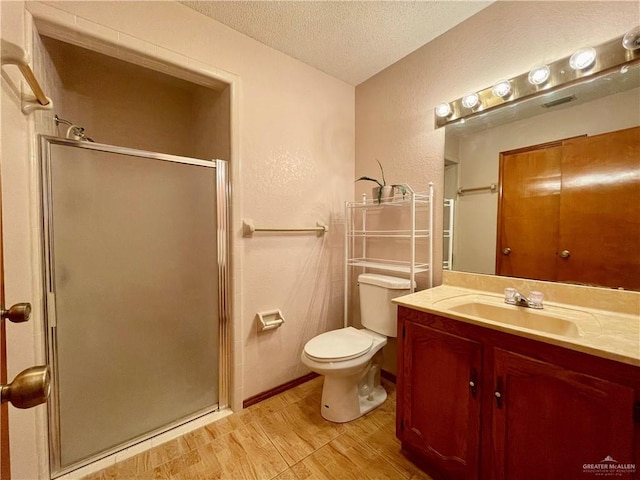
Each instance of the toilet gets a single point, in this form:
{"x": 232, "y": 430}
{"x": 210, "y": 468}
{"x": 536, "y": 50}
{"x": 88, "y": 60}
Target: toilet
{"x": 350, "y": 358}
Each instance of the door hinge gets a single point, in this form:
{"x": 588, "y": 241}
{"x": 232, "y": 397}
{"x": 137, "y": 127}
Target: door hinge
{"x": 404, "y": 332}
{"x": 402, "y": 424}
{"x": 636, "y": 412}
{"x": 51, "y": 309}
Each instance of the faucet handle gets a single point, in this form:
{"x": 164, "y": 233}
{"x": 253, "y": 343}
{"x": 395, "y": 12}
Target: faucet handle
{"x": 535, "y": 298}
{"x": 510, "y": 295}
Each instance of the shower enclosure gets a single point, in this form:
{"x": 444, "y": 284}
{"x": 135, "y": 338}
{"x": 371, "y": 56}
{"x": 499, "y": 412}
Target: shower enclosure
{"x": 136, "y": 263}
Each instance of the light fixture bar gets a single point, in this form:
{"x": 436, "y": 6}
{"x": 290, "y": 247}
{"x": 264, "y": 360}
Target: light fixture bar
{"x": 609, "y": 56}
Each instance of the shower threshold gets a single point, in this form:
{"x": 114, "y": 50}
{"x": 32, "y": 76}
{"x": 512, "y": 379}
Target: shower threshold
{"x": 142, "y": 444}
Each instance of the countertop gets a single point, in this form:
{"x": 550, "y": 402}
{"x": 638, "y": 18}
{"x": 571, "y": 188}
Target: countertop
{"x": 607, "y": 334}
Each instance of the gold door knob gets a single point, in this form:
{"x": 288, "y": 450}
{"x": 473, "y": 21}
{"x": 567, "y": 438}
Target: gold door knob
{"x": 565, "y": 254}
{"x": 506, "y": 251}
{"x": 18, "y": 313}
{"x": 31, "y": 387}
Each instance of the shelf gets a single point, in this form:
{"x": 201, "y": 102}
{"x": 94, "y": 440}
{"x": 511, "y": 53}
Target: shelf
{"x": 372, "y": 231}
{"x": 389, "y": 266}
{"x": 387, "y": 234}
{"x": 421, "y": 200}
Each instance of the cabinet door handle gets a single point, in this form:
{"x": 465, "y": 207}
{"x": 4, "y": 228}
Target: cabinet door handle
{"x": 498, "y": 393}
{"x": 565, "y": 254}
{"x": 498, "y": 398}
{"x": 473, "y": 382}
{"x": 506, "y": 251}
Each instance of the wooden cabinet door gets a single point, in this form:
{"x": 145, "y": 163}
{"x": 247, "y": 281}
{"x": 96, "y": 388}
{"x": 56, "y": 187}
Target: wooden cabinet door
{"x": 600, "y": 210}
{"x": 439, "y": 412}
{"x": 530, "y": 183}
{"x": 553, "y": 422}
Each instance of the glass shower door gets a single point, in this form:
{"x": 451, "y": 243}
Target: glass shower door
{"x": 132, "y": 280}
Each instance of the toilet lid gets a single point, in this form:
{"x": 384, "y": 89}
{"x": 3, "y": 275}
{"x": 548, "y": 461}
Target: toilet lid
{"x": 342, "y": 344}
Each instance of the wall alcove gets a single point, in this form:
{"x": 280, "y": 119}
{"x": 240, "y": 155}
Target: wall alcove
{"x": 125, "y": 104}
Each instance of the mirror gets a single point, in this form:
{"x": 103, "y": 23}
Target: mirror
{"x": 473, "y": 149}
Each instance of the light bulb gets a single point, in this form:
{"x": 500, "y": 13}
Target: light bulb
{"x": 538, "y": 75}
{"x": 582, "y": 58}
{"x": 502, "y": 89}
{"x": 631, "y": 40}
{"x": 443, "y": 110}
{"x": 470, "y": 100}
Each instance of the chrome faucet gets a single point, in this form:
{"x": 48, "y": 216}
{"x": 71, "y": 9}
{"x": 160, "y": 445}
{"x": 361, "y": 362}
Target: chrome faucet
{"x": 514, "y": 297}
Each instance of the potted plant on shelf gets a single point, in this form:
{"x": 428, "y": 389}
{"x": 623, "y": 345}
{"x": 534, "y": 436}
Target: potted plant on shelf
{"x": 383, "y": 192}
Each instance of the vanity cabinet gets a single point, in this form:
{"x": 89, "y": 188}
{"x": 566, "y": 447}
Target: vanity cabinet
{"x": 442, "y": 400}
{"x": 549, "y": 421}
{"x": 479, "y": 403}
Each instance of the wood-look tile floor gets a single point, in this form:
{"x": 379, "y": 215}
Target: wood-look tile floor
{"x": 281, "y": 438}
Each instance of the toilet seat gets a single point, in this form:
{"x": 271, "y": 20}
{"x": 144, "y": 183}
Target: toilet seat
{"x": 338, "y": 345}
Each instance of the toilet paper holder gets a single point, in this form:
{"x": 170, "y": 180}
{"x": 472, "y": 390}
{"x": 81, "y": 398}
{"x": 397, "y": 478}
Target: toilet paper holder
{"x": 269, "y": 320}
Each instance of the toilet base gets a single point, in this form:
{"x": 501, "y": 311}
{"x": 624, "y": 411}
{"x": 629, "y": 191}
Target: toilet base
{"x": 342, "y": 403}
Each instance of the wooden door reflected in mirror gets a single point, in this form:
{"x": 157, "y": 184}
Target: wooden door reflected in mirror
{"x": 570, "y": 211}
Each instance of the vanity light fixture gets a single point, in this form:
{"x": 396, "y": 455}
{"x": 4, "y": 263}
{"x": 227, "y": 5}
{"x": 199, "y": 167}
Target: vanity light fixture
{"x": 631, "y": 40}
{"x": 582, "y": 58}
{"x": 538, "y": 75}
{"x": 470, "y": 100}
{"x": 502, "y": 89}
{"x": 443, "y": 110}
{"x": 544, "y": 79}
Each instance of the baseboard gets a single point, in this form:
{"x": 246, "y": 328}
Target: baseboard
{"x": 388, "y": 376}
{"x": 294, "y": 383}
{"x": 279, "y": 389}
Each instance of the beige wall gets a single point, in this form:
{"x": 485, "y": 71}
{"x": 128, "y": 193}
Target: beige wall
{"x": 292, "y": 165}
{"x": 394, "y": 109}
{"x": 476, "y": 215}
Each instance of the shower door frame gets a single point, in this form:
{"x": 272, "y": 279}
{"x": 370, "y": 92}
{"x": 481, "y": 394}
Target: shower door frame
{"x": 223, "y": 195}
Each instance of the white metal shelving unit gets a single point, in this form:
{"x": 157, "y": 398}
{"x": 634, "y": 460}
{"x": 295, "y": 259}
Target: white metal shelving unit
{"x": 414, "y": 227}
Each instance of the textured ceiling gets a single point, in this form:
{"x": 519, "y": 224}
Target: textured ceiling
{"x": 350, "y": 40}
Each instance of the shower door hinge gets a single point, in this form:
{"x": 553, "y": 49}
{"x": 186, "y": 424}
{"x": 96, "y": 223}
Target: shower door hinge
{"x": 51, "y": 309}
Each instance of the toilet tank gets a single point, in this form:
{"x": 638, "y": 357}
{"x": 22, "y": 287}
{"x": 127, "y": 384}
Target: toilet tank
{"x": 377, "y": 313}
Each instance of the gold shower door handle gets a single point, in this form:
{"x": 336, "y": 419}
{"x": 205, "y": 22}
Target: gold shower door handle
{"x": 31, "y": 387}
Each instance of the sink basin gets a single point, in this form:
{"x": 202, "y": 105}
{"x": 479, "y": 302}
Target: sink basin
{"x": 519, "y": 317}
{"x": 555, "y": 320}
